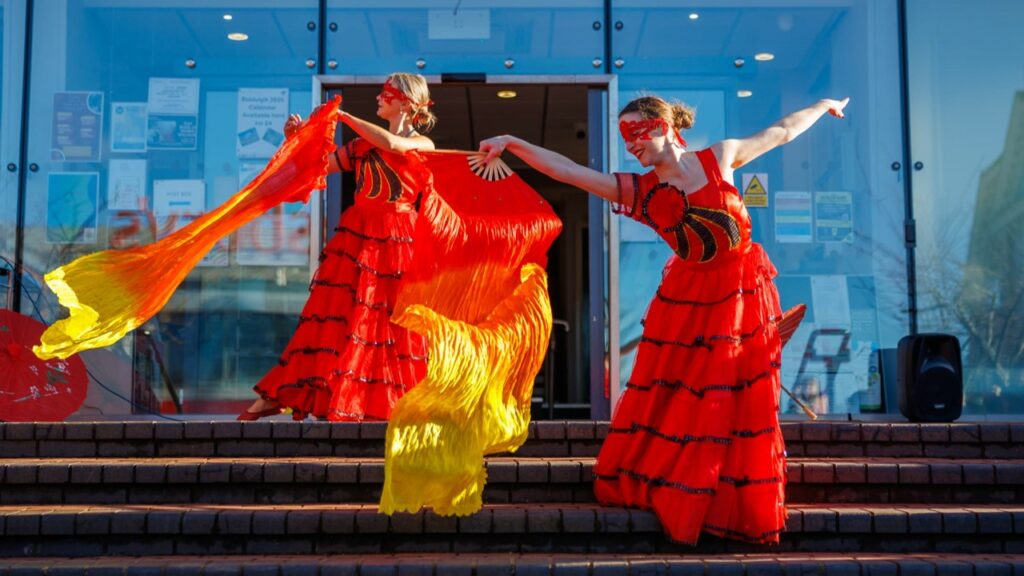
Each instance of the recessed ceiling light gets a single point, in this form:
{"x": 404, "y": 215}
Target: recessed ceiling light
{"x": 764, "y": 56}
{"x": 507, "y": 94}
{"x": 228, "y": 17}
{"x": 694, "y": 15}
{"x": 238, "y": 36}
{"x": 744, "y": 93}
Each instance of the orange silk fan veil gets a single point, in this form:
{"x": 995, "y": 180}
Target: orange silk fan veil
{"x": 478, "y": 292}
{"x": 110, "y": 293}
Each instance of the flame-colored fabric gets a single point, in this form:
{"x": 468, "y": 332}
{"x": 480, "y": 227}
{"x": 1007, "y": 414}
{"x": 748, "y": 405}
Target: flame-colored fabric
{"x": 475, "y": 400}
{"x": 112, "y": 292}
{"x": 478, "y": 292}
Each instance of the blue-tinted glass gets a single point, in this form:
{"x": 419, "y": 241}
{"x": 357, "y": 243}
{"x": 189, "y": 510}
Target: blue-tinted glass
{"x": 831, "y": 217}
{"x": 141, "y": 117}
{"x": 12, "y": 38}
{"x": 562, "y": 37}
{"x": 966, "y": 101}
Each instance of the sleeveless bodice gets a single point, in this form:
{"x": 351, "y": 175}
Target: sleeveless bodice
{"x": 703, "y": 227}
{"x": 385, "y": 179}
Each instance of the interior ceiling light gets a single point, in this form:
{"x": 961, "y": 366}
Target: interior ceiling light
{"x": 238, "y": 36}
{"x": 228, "y": 17}
{"x": 694, "y": 15}
{"x": 507, "y": 94}
{"x": 744, "y": 93}
{"x": 764, "y": 57}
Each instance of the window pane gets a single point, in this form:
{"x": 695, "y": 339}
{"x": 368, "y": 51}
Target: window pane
{"x": 449, "y": 37}
{"x": 143, "y": 116}
{"x": 12, "y": 38}
{"x": 967, "y": 131}
{"x": 827, "y": 207}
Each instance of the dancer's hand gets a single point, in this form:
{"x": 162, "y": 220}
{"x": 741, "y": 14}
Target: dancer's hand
{"x": 835, "y": 107}
{"x": 291, "y": 125}
{"x": 493, "y": 147}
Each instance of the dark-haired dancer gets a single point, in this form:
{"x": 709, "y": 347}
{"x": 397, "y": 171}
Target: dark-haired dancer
{"x": 696, "y": 435}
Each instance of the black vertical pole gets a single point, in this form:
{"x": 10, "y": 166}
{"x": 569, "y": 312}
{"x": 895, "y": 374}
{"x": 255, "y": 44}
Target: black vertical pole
{"x": 909, "y": 225}
{"x": 19, "y": 225}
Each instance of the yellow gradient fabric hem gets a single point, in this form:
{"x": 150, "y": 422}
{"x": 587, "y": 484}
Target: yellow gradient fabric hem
{"x": 474, "y": 401}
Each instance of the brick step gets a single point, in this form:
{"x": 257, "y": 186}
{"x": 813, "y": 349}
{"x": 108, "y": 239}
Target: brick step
{"x": 137, "y": 530}
{"x": 510, "y": 480}
{"x": 808, "y": 564}
{"x": 546, "y": 438}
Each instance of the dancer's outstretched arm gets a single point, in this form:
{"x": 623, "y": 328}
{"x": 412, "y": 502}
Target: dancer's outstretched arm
{"x": 378, "y": 136}
{"x": 736, "y": 152}
{"x": 554, "y": 165}
{"x": 384, "y": 139}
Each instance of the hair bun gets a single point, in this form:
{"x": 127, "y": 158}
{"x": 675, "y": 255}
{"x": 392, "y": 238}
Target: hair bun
{"x": 682, "y": 116}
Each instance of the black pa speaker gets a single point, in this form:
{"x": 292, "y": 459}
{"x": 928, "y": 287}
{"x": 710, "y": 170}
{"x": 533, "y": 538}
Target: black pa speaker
{"x": 929, "y": 377}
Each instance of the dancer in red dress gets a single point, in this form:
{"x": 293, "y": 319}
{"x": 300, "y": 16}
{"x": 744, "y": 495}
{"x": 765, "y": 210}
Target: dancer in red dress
{"x": 347, "y": 361}
{"x": 695, "y": 437}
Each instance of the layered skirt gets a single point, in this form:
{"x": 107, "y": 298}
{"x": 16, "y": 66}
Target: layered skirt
{"x": 346, "y": 360}
{"x": 695, "y": 436}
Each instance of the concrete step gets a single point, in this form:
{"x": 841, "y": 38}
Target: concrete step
{"x": 137, "y": 530}
{"x": 510, "y": 480}
{"x": 546, "y": 438}
{"x": 503, "y": 564}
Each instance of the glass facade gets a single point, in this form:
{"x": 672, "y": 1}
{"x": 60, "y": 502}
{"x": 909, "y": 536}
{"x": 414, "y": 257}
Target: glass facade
{"x": 494, "y": 37}
{"x": 966, "y": 106}
{"x": 827, "y": 207}
{"x": 142, "y": 115}
{"x": 12, "y": 38}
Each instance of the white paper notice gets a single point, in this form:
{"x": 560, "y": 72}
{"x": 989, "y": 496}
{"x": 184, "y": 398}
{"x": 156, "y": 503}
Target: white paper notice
{"x": 179, "y": 197}
{"x": 174, "y": 96}
{"x": 261, "y": 116}
{"x": 126, "y": 185}
{"x": 831, "y": 301}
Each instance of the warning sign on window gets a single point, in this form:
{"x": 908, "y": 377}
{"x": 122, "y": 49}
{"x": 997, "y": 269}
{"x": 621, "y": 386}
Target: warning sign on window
{"x": 755, "y": 190}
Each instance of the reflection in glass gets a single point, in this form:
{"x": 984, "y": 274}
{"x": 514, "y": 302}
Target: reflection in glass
{"x": 144, "y": 116}
{"x": 967, "y": 131}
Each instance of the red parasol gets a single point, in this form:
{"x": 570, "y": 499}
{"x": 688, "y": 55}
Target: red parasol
{"x": 33, "y": 390}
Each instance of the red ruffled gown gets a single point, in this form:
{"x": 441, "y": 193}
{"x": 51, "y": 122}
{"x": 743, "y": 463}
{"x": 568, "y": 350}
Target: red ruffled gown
{"x": 347, "y": 361}
{"x": 696, "y": 437}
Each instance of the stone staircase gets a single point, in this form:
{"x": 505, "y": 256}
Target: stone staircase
{"x": 281, "y": 497}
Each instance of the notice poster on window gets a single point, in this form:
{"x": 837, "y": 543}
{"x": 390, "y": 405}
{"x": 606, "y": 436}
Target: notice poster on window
{"x": 179, "y": 197}
{"x": 172, "y": 118}
{"x": 174, "y": 96}
{"x": 831, "y": 300}
{"x": 755, "y": 189}
{"x": 165, "y": 132}
{"x": 77, "y": 126}
{"x": 261, "y": 116}
{"x": 177, "y": 203}
{"x": 72, "y": 204}
{"x": 793, "y": 217}
{"x": 128, "y": 127}
{"x": 833, "y": 216}
{"x": 126, "y": 185}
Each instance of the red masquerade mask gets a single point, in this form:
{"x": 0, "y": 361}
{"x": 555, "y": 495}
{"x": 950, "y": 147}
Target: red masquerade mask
{"x": 639, "y": 130}
{"x": 389, "y": 94}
